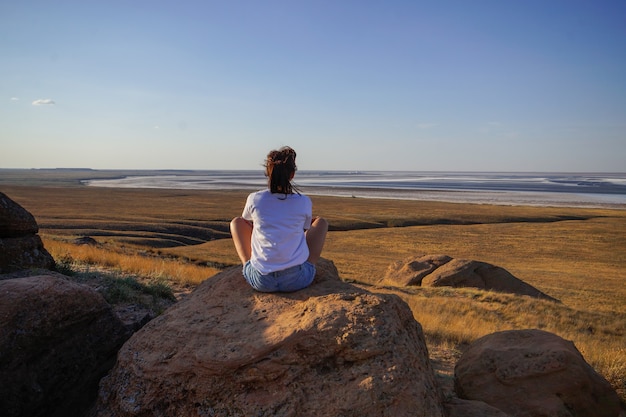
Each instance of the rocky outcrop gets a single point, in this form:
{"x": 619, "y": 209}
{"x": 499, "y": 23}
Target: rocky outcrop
{"x": 444, "y": 271}
{"x": 225, "y": 350}
{"x": 57, "y": 339}
{"x": 85, "y": 240}
{"x": 466, "y": 408}
{"x": 533, "y": 373}
{"x": 412, "y": 271}
{"x": 20, "y": 245}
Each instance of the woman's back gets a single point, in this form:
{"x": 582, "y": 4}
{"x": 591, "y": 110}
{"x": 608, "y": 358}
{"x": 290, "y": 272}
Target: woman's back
{"x": 279, "y": 222}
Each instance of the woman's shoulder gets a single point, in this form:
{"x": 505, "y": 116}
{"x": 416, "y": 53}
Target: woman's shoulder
{"x": 302, "y": 198}
{"x": 267, "y": 194}
{"x": 255, "y": 196}
{"x": 262, "y": 191}
{"x": 259, "y": 193}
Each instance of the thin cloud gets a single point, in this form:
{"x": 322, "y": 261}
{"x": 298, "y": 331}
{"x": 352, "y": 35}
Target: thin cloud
{"x": 15, "y": 99}
{"x": 43, "y": 102}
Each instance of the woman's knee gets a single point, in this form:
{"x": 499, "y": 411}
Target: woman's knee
{"x": 320, "y": 223}
{"x": 237, "y": 223}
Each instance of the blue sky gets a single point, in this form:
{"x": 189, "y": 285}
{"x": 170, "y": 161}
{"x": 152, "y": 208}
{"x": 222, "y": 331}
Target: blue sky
{"x": 356, "y": 85}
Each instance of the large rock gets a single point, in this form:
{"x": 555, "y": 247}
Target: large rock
{"x": 57, "y": 340}
{"x": 412, "y": 271}
{"x": 20, "y": 245}
{"x": 457, "y": 407}
{"x": 444, "y": 271}
{"x": 329, "y": 350}
{"x": 15, "y": 220}
{"x": 533, "y": 373}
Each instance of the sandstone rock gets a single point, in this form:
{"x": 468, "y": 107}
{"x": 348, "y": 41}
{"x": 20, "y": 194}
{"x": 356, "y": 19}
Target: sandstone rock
{"x": 20, "y": 246}
{"x": 444, "y": 271}
{"x": 86, "y": 240}
{"x": 15, "y": 221}
{"x": 57, "y": 339}
{"x": 225, "y": 350}
{"x": 413, "y": 270}
{"x": 466, "y": 408}
{"x": 24, "y": 252}
{"x": 533, "y": 373}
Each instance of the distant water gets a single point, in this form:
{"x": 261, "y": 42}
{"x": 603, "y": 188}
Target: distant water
{"x": 535, "y": 189}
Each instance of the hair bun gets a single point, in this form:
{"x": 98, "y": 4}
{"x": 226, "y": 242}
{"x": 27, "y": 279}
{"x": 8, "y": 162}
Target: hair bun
{"x": 280, "y": 166}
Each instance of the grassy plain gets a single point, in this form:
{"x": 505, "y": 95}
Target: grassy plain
{"x": 575, "y": 255}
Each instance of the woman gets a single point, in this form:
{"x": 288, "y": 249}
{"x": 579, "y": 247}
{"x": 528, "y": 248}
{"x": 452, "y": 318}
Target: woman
{"x": 276, "y": 237}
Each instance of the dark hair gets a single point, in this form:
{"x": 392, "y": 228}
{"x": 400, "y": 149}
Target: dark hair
{"x": 280, "y": 167}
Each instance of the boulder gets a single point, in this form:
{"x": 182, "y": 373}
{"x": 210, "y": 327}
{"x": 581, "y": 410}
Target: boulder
{"x": 86, "y": 240}
{"x": 20, "y": 245}
{"x": 26, "y": 252}
{"x": 57, "y": 340}
{"x": 533, "y": 373}
{"x": 331, "y": 349}
{"x": 444, "y": 271}
{"x": 15, "y": 220}
{"x": 412, "y": 271}
{"x": 457, "y": 407}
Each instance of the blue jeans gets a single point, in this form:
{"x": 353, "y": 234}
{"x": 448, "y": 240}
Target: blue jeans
{"x": 287, "y": 280}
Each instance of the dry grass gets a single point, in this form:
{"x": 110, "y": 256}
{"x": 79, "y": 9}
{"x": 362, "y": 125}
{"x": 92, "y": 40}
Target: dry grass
{"x": 171, "y": 271}
{"x": 456, "y": 317}
{"x": 579, "y": 262}
{"x": 575, "y": 255}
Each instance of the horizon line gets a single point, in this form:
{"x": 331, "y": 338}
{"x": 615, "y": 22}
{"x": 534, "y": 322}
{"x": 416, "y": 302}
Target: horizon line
{"x": 354, "y": 171}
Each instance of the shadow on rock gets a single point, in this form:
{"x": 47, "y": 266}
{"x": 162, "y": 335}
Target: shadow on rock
{"x": 227, "y": 350}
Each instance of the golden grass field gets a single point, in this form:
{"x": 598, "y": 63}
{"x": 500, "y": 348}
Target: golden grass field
{"x": 575, "y": 255}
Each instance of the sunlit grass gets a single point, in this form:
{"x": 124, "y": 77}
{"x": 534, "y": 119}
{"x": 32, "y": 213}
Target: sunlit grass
{"x": 151, "y": 267}
{"x": 575, "y": 255}
{"x": 457, "y": 317}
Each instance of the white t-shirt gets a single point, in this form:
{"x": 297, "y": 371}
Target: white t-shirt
{"x": 279, "y": 222}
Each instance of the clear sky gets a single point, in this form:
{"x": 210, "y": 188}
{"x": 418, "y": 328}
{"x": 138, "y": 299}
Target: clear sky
{"x": 519, "y": 85}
